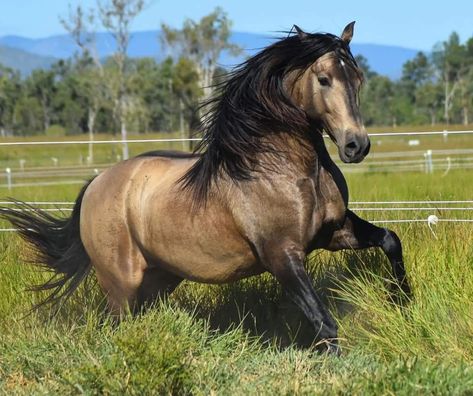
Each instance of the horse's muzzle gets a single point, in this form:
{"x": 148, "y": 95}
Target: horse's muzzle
{"x": 356, "y": 148}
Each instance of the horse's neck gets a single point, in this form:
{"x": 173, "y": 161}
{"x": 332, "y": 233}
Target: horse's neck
{"x": 290, "y": 154}
{"x": 323, "y": 157}
{"x": 304, "y": 156}
{"x": 328, "y": 166}
{"x": 310, "y": 158}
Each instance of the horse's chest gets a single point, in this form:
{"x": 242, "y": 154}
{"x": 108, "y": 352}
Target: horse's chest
{"x": 332, "y": 198}
{"x": 334, "y": 213}
{"x": 319, "y": 205}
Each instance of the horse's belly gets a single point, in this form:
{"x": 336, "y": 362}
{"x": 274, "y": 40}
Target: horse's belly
{"x": 204, "y": 246}
{"x": 195, "y": 262}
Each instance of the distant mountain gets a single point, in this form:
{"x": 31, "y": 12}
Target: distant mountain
{"x": 24, "y": 61}
{"x": 387, "y": 60}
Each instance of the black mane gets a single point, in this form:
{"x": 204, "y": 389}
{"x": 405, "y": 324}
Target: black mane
{"x": 173, "y": 154}
{"x": 252, "y": 104}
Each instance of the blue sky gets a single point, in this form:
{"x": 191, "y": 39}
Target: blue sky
{"x": 408, "y": 23}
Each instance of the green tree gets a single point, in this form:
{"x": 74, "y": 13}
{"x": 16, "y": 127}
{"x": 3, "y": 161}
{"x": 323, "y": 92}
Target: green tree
{"x": 91, "y": 77}
{"x": 41, "y": 85}
{"x": 189, "y": 91}
{"x": 416, "y": 73}
{"x": 450, "y": 60}
{"x": 10, "y": 91}
{"x": 362, "y": 62}
{"x": 376, "y": 101}
{"x": 202, "y": 42}
{"x": 117, "y": 16}
{"x": 69, "y": 102}
{"x": 428, "y": 98}
{"x": 28, "y": 115}
{"x": 152, "y": 84}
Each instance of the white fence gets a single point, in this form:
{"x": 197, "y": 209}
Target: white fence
{"x": 426, "y": 212}
{"x": 177, "y": 140}
{"x": 388, "y": 161}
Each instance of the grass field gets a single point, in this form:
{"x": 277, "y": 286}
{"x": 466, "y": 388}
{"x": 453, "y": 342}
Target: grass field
{"x": 247, "y": 338}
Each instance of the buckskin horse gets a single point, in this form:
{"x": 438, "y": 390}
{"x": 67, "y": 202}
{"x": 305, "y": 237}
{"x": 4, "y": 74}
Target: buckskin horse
{"x": 261, "y": 193}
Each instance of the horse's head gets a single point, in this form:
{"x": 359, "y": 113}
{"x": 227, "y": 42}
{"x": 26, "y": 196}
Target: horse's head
{"x": 328, "y": 92}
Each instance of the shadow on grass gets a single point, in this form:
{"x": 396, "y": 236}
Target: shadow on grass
{"x": 260, "y": 307}
{"x": 256, "y": 304}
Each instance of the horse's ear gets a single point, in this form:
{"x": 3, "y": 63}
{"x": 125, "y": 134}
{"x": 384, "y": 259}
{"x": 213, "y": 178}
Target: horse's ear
{"x": 300, "y": 32}
{"x": 347, "y": 34}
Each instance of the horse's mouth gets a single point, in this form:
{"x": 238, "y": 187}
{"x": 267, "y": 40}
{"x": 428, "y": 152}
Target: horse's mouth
{"x": 351, "y": 156}
{"x": 354, "y": 160}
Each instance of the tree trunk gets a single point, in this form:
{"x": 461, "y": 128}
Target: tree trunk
{"x": 185, "y": 146}
{"x": 46, "y": 121}
{"x": 124, "y": 134}
{"x": 464, "y": 97}
{"x": 91, "y": 127}
{"x": 433, "y": 119}
{"x": 446, "y": 103}
{"x": 194, "y": 125}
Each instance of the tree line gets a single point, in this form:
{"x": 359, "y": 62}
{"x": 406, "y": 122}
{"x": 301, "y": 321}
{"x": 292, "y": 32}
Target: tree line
{"x": 87, "y": 94}
{"x": 434, "y": 88}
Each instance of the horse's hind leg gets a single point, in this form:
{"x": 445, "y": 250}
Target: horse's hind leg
{"x": 120, "y": 291}
{"x": 135, "y": 292}
{"x": 127, "y": 279}
{"x": 120, "y": 273}
{"x": 361, "y": 234}
{"x": 157, "y": 284}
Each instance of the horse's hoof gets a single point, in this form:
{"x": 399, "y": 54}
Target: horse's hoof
{"x": 334, "y": 349}
{"x": 329, "y": 347}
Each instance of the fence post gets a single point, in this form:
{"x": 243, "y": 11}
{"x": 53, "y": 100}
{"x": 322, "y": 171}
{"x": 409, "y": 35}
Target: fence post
{"x": 429, "y": 165}
{"x": 8, "y": 174}
{"x": 445, "y": 135}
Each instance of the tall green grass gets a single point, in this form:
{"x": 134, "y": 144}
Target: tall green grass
{"x": 247, "y": 338}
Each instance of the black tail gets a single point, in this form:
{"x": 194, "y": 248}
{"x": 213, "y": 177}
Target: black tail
{"x": 57, "y": 245}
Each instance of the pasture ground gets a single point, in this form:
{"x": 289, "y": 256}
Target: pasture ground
{"x": 246, "y": 338}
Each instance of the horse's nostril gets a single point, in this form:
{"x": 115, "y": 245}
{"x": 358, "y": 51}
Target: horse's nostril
{"x": 352, "y": 145}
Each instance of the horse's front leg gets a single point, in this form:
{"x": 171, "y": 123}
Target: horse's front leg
{"x": 361, "y": 234}
{"x": 285, "y": 260}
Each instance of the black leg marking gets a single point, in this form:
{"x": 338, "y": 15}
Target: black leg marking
{"x": 360, "y": 234}
{"x": 286, "y": 262}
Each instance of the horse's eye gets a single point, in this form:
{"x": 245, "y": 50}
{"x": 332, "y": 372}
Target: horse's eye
{"x": 324, "y": 81}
